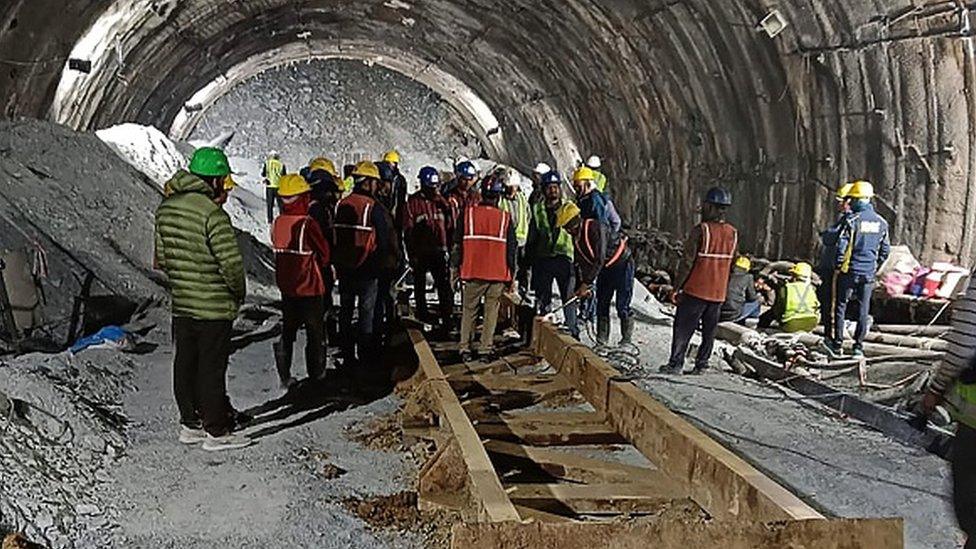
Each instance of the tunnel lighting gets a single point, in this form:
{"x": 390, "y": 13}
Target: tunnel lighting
{"x": 193, "y": 107}
{"x": 773, "y": 24}
{"x": 80, "y": 65}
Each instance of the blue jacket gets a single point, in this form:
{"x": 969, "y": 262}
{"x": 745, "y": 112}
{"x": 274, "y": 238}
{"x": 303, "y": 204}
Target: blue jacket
{"x": 863, "y": 245}
{"x": 828, "y": 246}
{"x": 594, "y": 206}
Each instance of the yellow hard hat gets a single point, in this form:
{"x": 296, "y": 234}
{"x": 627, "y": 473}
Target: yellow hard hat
{"x": 229, "y": 183}
{"x": 292, "y": 185}
{"x": 392, "y": 156}
{"x": 566, "y": 213}
{"x": 861, "y": 189}
{"x": 844, "y": 191}
{"x": 322, "y": 163}
{"x": 584, "y": 174}
{"x": 802, "y": 270}
{"x": 366, "y": 169}
{"x": 743, "y": 263}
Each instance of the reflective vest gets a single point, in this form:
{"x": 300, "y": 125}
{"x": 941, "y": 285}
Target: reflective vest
{"x": 484, "y": 255}
{"x": 802, "y": 312}
{"x": 273, "y": 170}
{"x": 552, "y": 242}
{"x": 518, "y": 208}
{"x": 616, "y": 250}
{"x": 962, "y": 403}
{"x": 601, "y": 181}
{"x": 354, "y": 233}
{"x": 296, "y": 269}
{"x": 709, "y": 278}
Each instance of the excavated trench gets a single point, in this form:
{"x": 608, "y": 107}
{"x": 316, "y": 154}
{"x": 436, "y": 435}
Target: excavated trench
{"x": 674, "y": 94}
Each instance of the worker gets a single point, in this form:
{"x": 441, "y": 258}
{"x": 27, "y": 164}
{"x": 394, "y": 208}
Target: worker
{"x": 485, "y": 248}
{"x": 549, "y": 250}
{"x": 361, "y": 237}
{"x": 516, "y": 204}
{"x": 828, "y": 254}
{"x": 388, "y": 260}
{"x": 862, "y": 246}
{"x": 796, "y": 308}
{"x": 704, "y": 277}
{"x": 392, "y": 158}
{"x": 273, "y": 169}
{"x": 742, "y": 299}
{"x": 463, "y": 192}
{"x": 538, "y": 193}
{"x": 323, "y": 178}
{"x": 301, "y": 256}
{"x": 197, "y": 249}
{"x": 954, "y": 384}
{"x": 594, "y": 163}
{"x": 346, "y": 183}
{"x": 426, "y": 226}
{"x": 592, "y": 203}
{"x": 614, "y": 284}
{"x": 589, "y": 254}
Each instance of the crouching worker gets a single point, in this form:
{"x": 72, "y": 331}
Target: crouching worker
{"x": 589, "y": 238}
{"x": 301, "y": 256}
{"x": 197, "y": 249}
{"x": 485, "y": 248}
{"x": 796, "y": 308}
{"x": 742, "y": 301}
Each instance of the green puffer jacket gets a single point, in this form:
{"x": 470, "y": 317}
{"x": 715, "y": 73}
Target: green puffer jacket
{"x": 197, "y": 248}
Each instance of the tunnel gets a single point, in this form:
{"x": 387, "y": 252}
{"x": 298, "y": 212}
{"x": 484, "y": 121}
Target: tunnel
{"x": 782, "y": 102}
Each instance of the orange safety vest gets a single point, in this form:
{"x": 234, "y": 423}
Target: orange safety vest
{"x": 709, "y": 278}
{"x": 618, "y": 253}
{"x": 484, "y": 253}
{"x": 354, "y": 233}
{"x": 296, "y": 270}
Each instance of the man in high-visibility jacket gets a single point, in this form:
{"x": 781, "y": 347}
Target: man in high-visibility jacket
{"x": 862, "y": 246}
{"x": 301, "y": 257}
{"x": 709, "y": 251}
{"x": 796, "y": 308}
{"x": 361, "y": 238}
{"x": 550, "y": 252}
{"x": 954, "y": 384}
{"x": 516, "y": 204}
{"x": 485, "y": 248}
{"x": 273, "y": 169}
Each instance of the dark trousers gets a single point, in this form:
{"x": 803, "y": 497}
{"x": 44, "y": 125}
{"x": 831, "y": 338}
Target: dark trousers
{"x": 558, "y": 269}
{"x": 522, "y": 271}
{"x": 385, "y": 307}
{"x": 825, "y": 296}
{"x": 271, "y": 197}
{"x": 692, "y": 313}
{"x": 356, "y": 295}
{"x": 307, "y": 312}
{"x": 434, "y": 263}
{"x": 615, "y": 281}
{"x": 200, "y": 373}
{"x": 964, "y": 481}
{"x": 846, "y": 288}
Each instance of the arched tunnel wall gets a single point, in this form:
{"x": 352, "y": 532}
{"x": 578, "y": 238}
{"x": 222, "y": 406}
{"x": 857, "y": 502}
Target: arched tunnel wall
{"x": 674, "y": 94}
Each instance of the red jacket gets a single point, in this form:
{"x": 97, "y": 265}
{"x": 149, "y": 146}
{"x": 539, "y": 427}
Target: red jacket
{"x": 709, "y": 277}
{"x": 427, "y": 224}
{"x": 301, "y": 250}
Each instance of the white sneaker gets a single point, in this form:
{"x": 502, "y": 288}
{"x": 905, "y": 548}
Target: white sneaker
{"x": 189, "y": 435}
{"x": 226, "y": 442}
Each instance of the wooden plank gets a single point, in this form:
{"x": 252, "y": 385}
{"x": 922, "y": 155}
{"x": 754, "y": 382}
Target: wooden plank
{"x": 543, "y": 385}
{"x": 541, "y": 434}
{"x": 538, "y": 515}
{"x": 598, "y": 499}
{"x": 675, "y": 534}
{"x": 492, "y": 503}
{"x": 576, "y": 468}
{"x": 718, "y": 480}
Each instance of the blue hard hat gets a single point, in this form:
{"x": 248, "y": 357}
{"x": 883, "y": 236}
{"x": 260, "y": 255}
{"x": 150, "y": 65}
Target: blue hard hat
{"x": 429, "y": 177}
{"x": 718, "y": 196}
{"x": 492, "y": 186}
{"x": 466, "y": 169}
{"x": 552, "y": 178}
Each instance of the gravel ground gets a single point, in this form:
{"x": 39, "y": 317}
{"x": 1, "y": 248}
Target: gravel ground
{"x": 837, "y": 465}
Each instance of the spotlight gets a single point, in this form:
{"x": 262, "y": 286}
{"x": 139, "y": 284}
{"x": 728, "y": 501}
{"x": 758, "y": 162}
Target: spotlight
{"x": 773, "y": 24}
{"x": 80, "y": 65}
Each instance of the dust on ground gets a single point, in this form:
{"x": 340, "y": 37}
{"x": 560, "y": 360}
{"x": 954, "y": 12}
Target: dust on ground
{"x": 400, "y": 511}
{"x": 383, "y": 433}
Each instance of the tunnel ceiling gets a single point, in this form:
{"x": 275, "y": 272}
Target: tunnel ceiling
{"x": 675, "y": 95}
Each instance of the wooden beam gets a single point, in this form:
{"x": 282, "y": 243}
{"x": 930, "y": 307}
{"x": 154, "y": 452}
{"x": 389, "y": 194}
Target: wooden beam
{"x": 671, "y": 534}
{"x": 717, "y": 479}
{"x": 599, "y": 499}
{"x": 491, "y": 502}
{"x": 576, "y": 468}
{"x": 541, "y": 434}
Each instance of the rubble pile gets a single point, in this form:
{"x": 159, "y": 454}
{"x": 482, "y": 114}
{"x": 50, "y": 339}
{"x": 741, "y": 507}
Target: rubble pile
{"x": 654, "y": 250}
{"x": 62, "y": 423}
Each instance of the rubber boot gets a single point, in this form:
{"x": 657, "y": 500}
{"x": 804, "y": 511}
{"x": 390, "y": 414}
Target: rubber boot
{"x": 627, "y": 331}
{"x": 602, "y": 331}
{"x": 282, "y": 356}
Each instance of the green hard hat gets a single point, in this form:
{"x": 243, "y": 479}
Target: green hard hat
{"x": 209, "y": 162}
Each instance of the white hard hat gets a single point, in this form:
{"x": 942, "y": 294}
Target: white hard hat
{"x": 594, "y": 162}
{"x": 512, "y": 178}
{"x": 542, "y": 168}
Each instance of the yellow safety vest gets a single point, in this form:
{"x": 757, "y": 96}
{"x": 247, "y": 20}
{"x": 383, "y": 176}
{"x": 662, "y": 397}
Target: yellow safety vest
{"x": 802, "y": 308}
{"x": 273, "y": 170}
{"x": 962, "y": 403}
{"x": 601, "y": 181}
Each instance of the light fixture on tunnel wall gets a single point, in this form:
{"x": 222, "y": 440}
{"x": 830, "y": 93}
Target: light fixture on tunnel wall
{"x": 80, "y": 65}
{"x": 773, "y": 24}
{"x": 192, "y": 107}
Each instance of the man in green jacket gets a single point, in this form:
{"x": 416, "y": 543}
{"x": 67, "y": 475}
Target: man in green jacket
{"x": 196, "y": 247}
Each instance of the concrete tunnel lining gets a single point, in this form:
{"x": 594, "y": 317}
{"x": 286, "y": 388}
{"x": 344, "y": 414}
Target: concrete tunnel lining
{"x": 674, "y": 95}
